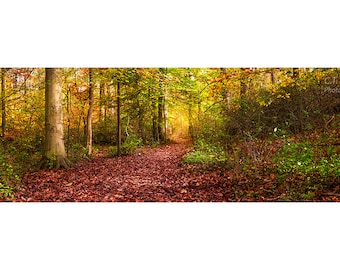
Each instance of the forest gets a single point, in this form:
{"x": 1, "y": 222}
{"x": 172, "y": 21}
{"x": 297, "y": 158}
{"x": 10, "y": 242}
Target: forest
{"x": 170, "y": 134}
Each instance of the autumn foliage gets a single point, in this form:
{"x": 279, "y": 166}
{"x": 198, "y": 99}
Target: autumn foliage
{"x": 256, "y": 134}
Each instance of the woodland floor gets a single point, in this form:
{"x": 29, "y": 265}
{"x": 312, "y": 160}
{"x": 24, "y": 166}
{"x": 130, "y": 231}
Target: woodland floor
{"x": 150, "y": 175}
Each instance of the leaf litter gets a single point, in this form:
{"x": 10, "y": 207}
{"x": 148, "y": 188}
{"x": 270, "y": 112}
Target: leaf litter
{"x": 151, "y": 175}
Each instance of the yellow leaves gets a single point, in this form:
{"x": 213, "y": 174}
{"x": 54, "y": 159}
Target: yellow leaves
{"x": 262, "y": 103}
{"x": 283, "y": 95}
{"x": 278, "y": 92}
{"x": 287, "y": 81}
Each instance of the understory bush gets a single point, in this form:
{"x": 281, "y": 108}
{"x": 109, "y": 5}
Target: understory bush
{"x": 131, "y": 143}
{"x": 17, "y": 156}
{"x": 306, "y": 159}
{"x": 8, "y": 179}
{"x": 129, "y": 146}
{"x": 206, "y": 154}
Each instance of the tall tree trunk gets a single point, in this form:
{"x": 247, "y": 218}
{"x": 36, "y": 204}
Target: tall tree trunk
{"x": 140, "y": 117}
{"x": 68, "y": 110}
{"x": 119, "y": 124}
{"x": 165, "y": 118}
{"x": 154, "y": 117}
{"x": 102, "y": 113}
{"x": 191, "y": 128}
{"x": 160, "y": 118}
{"x": 89, "y": 116}
{"x": 272, "y": 75}
{"x": 161, "y": 107}
{"x": 3, "y": 103}
{"x": 54, "y": 155}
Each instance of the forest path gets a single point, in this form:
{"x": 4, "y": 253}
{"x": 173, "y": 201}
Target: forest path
{"x": 152, "y": 174}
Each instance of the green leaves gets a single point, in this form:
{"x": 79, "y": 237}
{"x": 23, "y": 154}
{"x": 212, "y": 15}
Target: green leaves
{"x": 303, "y": 158}
{"x": 7, "y": 176}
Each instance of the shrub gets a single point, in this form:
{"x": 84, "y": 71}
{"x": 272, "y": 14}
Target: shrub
{"x": 302, "y": 159}
{"x": 205, "y": 153}
{"x": 295, "y": 157}
{"x": 131, "y": 144}
{"x": 198, "y": 156}
{"x": 112, "y": 151}
{"x": 8, "y": 179}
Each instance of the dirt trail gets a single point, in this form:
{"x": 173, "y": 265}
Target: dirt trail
{"x": 152, "y": 174}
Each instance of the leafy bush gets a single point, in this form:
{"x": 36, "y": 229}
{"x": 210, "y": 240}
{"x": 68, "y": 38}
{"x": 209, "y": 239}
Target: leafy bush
{"x": 112, "y": 151}
{"x": 205, "y": 153}
{"x": 302, "y": 158}
{"x": 8, "y": 179}
{"x": 131, "y": 144}
{"x": 198, "y": 156}
{"x": 128, "y": 147}
{"x": 75, "y": 152}
{"x": 295, "y": 157}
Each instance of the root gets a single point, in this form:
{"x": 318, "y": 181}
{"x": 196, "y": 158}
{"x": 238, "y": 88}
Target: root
{"x": 57, "y": 163}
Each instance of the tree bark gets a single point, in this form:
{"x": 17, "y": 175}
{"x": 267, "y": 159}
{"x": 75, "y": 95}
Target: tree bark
{"x": 3, "y": 103}
{"x": 161, "y": 122}
{"x": 165, "y": 118}
{"x": 68, "y": 111}
{"x": 54, "y": 155}
{"x": 154, "y": 117}
{"x": 160, "y": 118}
{"x": 191, "y": 128}
{"x": 272, "y": 75}
{"x": 89, "y": 116}
{"x": 119, "y": 124}
{"x": 101, "y": 103}
{"x": 140, "y": 117}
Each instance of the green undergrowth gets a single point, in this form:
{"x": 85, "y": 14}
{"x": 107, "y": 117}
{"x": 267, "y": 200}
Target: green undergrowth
{"x": 129, "y": 146}
{"x": 206, "y": 154}
{"x": 9, "y": 177}
{"x": 8, "y": 180}
{"x": 311, "y": 166}
{"x": 308, "y": 159}
{"x": 294, "y": 168}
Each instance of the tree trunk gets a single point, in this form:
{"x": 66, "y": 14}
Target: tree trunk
{"x": 160, "y": 118}
{"x": 272, "y": 75}
{"x": 102, "y": 113}
{"x": 54, "y": 155}
{"x": 161, "y": 108}
{"x": 154, "y": 117}
{"x": 119, "y": 124}
{"x": 191, "y": 128}
{"x": 68, "y": 110}
{"x": 140, "y": 117}
{"x": 89, "y": 116}
{"x": 3, "y": 103}
{"x": 165, "y": 118}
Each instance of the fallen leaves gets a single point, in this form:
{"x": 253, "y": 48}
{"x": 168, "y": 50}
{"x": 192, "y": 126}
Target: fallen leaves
{"x": 152, "y": 175}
